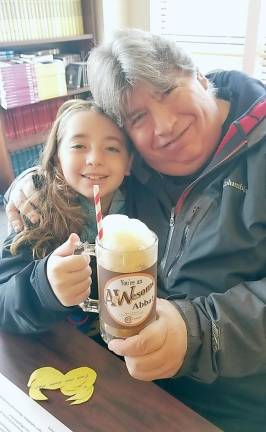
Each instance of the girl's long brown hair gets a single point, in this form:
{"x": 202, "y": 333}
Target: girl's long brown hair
{"x": 60, "y": 212}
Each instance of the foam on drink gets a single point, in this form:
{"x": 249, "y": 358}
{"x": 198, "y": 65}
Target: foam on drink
{"x": 122, "y": 234}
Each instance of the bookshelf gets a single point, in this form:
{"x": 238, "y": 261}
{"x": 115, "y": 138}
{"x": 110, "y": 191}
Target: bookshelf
{"x": 67, "y": 44}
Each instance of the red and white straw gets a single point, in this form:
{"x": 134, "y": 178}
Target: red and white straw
{"x": 98, "y": 211}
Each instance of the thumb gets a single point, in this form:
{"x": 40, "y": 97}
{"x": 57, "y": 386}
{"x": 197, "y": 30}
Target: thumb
{"x": 68, "y": 247}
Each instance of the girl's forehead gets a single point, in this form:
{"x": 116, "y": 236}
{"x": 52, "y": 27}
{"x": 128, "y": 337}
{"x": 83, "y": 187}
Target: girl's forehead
{"x": 91, "y": 123}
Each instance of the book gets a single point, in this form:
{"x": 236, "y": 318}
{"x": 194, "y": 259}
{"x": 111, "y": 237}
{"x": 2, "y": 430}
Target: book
{"x": 37, "y": 58}
{"x": 76, "y": 75}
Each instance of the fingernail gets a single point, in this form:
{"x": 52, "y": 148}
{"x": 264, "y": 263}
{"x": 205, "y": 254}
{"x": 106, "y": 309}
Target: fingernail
{"x": 34, "y": 219}
{"x": 17, "y": 228}
{"x": 110, "y": 346}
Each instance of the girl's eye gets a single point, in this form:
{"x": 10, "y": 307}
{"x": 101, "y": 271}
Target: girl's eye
{"x": 77, "y": 146}
{"x": 113, "y": 149}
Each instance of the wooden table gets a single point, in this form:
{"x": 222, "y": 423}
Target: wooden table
{"x": 119, "y": 403}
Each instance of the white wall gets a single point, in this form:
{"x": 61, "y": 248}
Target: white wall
{"x": 139, "y": 14}
{"x": 116, "y": 14}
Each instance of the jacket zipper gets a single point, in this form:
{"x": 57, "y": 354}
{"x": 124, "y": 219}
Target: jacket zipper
{"x": 195, "y": 211}
{"x": 184, "y": 238}
{"x": 169, "y": 238}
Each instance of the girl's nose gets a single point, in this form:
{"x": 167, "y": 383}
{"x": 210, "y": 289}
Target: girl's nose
{"x": 94, "y": 158}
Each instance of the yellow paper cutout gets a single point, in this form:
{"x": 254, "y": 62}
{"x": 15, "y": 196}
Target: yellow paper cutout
{"x": 81, "y": 397}
{"x": 77, "y": 383}
{"x": 76, "y": 378}
{"x": 36, "y": 394}
{"x": 46, "y": 378}
{"x": 45, "y": 375}
{"x": 85, "y": 387}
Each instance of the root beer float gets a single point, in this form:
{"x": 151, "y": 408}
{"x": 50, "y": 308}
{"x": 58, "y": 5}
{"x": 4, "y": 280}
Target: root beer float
{"x": 127, "y": 276}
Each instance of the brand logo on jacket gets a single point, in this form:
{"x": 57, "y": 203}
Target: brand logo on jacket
{"x": 234, "y": 184}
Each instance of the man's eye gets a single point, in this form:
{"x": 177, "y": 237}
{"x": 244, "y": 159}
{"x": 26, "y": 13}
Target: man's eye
{"x": 137, "y": 118}
{"x": 168, "y": 91}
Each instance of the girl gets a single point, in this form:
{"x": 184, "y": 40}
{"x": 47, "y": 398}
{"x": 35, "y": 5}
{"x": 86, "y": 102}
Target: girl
{"x": 41, "y": 280}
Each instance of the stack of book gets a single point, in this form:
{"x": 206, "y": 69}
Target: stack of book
{"x": 50, "y": 79}
{"x": 17, "y": 84}
{"x": 28, "y": 83}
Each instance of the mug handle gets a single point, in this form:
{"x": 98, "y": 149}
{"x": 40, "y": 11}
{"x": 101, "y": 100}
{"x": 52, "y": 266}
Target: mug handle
{"x": 88, "y": 305}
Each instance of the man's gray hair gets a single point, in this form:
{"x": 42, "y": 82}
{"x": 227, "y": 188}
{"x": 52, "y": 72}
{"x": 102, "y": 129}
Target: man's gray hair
{"x": 133, "y": 56}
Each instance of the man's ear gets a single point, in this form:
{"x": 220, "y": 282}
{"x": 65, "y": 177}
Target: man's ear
{"x": 202, "y": 80}
{"x": 130, "y": 162}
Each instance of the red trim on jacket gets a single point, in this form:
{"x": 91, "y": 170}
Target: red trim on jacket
{"x": 256, "y": 114}
{"x": 248, "y": 122}
{"x": 230, "y": 133}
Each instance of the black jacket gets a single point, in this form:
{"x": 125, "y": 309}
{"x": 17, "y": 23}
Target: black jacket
{"x": 213, "y": 264}
{"x": 27, "y": 302}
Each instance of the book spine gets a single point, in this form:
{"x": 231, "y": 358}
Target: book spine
{"x": 6, "y": 24}
{"x": 14, "y": 31}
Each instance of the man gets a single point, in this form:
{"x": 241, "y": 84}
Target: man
{"x": 199, "y": 183}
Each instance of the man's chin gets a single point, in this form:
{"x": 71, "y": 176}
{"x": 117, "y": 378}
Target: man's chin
{"x": 176, "y": 169}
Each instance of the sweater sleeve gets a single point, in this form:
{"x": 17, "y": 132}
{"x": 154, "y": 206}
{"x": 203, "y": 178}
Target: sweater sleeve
{"x": 27, "y": 302}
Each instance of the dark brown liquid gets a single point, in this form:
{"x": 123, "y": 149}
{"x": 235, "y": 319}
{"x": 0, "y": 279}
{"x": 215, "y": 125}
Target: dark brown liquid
{"x": 127, "y": 301}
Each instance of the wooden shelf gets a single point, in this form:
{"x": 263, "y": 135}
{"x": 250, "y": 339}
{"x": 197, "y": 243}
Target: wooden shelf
{"x": 49, "y": 41}
{"x": 71, "y": 92}
{"x": 78, "y": 91}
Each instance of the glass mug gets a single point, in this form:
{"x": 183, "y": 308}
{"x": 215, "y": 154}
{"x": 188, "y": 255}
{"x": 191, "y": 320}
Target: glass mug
{"x": 127, "y": 288}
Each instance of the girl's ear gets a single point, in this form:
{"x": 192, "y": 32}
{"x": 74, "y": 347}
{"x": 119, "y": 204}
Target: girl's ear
{"x": 129, "y": 165}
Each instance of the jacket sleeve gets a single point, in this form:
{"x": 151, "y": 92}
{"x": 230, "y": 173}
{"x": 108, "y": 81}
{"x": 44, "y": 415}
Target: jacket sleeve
{"x": 226, "y": 333}
{"x": 27, "y": 302}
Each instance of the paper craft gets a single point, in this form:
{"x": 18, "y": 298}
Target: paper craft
{"x": 77, "y": 383}
{"x": 46, "y": 378}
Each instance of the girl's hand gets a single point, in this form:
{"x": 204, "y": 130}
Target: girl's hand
{"x": 69, "y": 275}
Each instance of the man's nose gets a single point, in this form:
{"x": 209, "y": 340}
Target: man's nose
{"x": 163, "y": 119}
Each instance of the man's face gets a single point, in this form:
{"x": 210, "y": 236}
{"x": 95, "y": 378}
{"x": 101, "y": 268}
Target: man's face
{"x": 176, "y": 131}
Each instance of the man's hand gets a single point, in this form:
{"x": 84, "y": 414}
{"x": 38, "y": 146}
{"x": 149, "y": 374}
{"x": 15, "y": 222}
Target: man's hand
{"x": 19, "y": 203}
{"x": 69, "y": 275}
{"x": 158, "y": 351}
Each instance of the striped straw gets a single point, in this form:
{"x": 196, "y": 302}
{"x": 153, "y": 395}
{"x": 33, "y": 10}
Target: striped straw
{"x": 98, "y": 211}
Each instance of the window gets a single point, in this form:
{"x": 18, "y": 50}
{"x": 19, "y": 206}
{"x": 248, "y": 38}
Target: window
{"x": 219, "y": 34}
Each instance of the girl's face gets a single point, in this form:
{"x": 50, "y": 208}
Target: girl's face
{"x": 93, "y": 151}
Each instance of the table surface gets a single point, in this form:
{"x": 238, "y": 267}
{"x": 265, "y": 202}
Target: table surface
{"x": 119, "y": 403}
